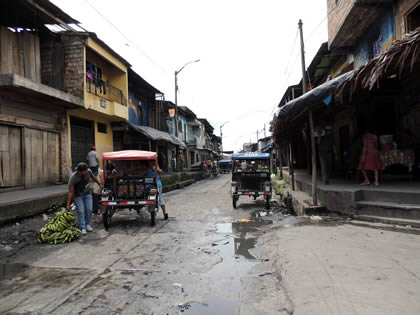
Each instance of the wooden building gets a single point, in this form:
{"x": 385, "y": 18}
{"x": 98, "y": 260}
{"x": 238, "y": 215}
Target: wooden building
{"x": 33, "y": 137}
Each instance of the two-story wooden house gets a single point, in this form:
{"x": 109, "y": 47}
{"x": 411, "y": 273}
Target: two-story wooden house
{"x": 33, "y": 124}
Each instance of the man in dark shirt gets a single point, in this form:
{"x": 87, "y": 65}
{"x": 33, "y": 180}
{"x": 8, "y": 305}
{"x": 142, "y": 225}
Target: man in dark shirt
{"x": 79, "y": 188}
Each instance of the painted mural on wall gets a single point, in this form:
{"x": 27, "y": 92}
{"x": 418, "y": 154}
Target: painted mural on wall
{"x": 137, "y": 111}
{"x": 376, "y": 40}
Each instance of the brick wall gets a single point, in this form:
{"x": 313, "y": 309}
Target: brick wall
{"x": 402, "y": 7}
{"x": 74, "y": 66}
{"x": 337, "y": 10}
{"x": 47, "y": 65}
{"x": 52, "y": 64}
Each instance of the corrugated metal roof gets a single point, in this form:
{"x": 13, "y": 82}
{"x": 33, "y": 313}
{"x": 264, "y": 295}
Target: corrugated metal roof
{"x": 157, "y": 135}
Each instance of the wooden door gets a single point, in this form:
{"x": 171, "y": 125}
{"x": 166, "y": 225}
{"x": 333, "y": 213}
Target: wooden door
{"x": 40, "y": 158}
{"x": 11, "y": 171}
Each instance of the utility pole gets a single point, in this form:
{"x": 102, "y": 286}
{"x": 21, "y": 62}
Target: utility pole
{"x": 257, "y": 136}
{"x": 176, "y": 104}
{"x": 311, "y": 122}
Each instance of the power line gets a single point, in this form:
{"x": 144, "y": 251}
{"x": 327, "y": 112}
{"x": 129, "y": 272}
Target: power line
{"x": 291, "y": 52}
{"x": 126, "y": 37}
{"x": 316, "y": 28}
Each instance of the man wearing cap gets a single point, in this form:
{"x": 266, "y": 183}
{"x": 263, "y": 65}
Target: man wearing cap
{"x": 80, "y": 189}
{"x": 93, "y": 160}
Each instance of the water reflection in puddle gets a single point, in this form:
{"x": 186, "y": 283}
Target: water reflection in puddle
{"x": 237, "y": 260}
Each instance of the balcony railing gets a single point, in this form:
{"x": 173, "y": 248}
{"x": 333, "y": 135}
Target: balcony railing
{"x": 106, "y": 90}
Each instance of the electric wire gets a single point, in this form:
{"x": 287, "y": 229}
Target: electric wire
{"x": 126, "y": 37}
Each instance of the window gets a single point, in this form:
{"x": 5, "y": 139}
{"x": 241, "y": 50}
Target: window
{"x": 101, "y": 128}
{"x": 413, "y": 19}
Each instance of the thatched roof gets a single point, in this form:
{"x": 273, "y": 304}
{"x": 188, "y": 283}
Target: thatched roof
{"x": 401, "y": 56}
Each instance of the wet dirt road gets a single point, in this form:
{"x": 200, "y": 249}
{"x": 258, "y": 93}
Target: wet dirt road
{"x": 192, "y": 263}
{"x": 207, "y": 260}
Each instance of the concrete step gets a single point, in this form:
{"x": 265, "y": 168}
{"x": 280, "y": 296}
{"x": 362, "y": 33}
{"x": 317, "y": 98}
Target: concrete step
{"x": 388, "y": 220}
{"x": 388, "y": 209}
{"x": 393, "y": 196}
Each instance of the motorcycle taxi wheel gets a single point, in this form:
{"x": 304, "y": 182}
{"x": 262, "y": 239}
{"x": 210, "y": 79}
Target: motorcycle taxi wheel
{"x": 152, "y": 211}
{"x": 235, "y": 201}
{"x": 107, "y": 219}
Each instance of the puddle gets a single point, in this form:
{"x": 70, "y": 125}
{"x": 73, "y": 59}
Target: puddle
{"x": 226, "y": 276}
{"x": 10, "y": 271}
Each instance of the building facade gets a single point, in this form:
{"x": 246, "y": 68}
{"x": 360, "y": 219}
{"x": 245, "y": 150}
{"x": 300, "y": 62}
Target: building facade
{"x": 34, "y": 143}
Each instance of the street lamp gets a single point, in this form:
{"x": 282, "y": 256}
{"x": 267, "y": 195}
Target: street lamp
{"x": 176, "y": 94}
{"x": 221, "y": 136}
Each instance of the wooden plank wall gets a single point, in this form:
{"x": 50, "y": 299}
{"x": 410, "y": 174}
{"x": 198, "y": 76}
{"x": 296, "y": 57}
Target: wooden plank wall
{"x": 20, "y": 54}
{"x": 40, "y": 157}
{"x": 11, "y": 168}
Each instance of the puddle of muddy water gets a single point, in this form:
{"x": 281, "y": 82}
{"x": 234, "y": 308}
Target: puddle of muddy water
{"x": 237, "y": 260}
{"x": 10, "y": 271}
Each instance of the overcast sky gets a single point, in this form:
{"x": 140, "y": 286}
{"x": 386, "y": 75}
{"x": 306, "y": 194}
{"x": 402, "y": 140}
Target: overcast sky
{"x": 249, "y": 52}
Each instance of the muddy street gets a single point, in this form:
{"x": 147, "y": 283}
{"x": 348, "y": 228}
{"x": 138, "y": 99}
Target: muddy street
{"x": 209, "y": 258}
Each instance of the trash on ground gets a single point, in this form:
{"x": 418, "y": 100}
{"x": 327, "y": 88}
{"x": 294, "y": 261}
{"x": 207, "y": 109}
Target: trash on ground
{"x": 179, "y": 285}
{"x": 315, "y": 217}
{"x": 246, "y": 220}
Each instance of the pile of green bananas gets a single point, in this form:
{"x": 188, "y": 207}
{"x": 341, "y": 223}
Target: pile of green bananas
{"x": 59, "y": 230}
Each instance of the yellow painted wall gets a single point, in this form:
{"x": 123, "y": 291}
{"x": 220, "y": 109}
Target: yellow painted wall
{"x": 114, "y": 75}
{"x": 115, "y": 110}
{"x": 102, "y": 51}
{"x": 103, "y": 142}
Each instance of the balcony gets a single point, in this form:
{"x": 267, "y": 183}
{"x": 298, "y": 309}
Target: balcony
{"x": 192, "y": 142}
{"x": 106, "y": 99}
{"x": 106, "y": 91}
{"x": 348, "y": 20}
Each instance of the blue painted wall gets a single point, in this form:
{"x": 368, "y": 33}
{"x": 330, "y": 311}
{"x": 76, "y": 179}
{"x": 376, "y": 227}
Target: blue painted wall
{"x": 376, "y": 40}
{"x": 138, "y": 111}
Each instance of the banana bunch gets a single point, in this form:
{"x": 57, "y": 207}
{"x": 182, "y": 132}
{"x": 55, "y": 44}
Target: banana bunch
{"x": 59, "y": 230}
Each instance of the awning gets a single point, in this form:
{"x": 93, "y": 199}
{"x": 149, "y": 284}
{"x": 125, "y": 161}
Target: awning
{"x": 399, "y": 59}
{"x": 157, "y": 135}
{"x": 129, "y": 155}
{"x": 268, "y": 147}
{"x": 251, "y": 156}
{"x": 311, "y": 99}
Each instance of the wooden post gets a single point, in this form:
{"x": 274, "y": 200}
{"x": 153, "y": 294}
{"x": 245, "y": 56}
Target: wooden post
{"x": 280, "y": 161}
{"x": 177, "y": 158}
{"x": 311, "y": 123}
{"x": 314, "y": 178}
{"x": 291, "y": 167}
{"x": 150, "y": 145}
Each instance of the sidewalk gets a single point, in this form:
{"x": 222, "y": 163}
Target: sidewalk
{"x": 24, "y": 203}
{"x": 396, "y": 200}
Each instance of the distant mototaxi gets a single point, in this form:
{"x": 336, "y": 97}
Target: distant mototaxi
{"x": 126, "y": 185}
{"x": 225, "y": 166}
{"x": 251, "y": 176}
